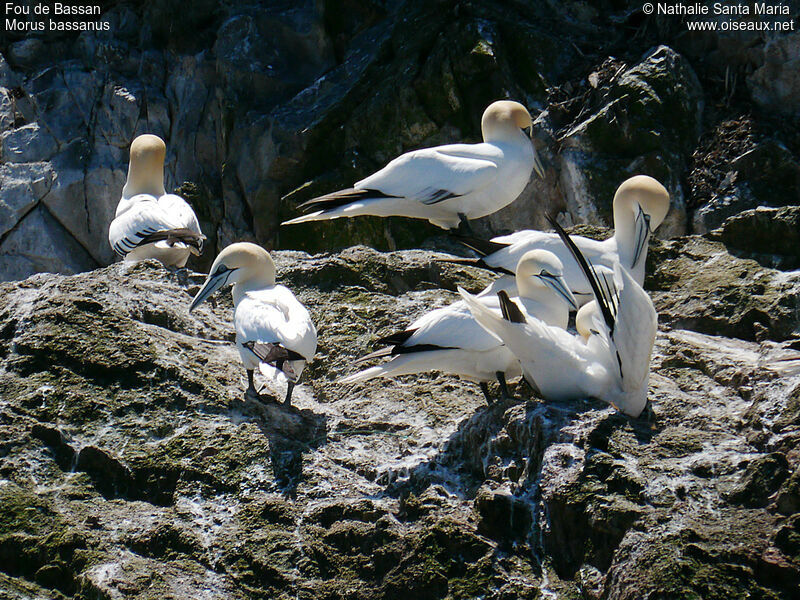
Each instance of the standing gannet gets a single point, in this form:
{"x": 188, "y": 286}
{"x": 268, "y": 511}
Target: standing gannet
{"x": 640, "y": 205}
{"x": 150, "y": 223}
{"x": 274, "y": 331}
{"x": 451, "y": 341}
{"x": 447, "y": 185}
{"x": 611, "y": 364}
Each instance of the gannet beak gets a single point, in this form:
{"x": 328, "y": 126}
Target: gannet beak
{"x": 558, "y": 285}
{"x": 537, "y": 165}
{"x": 642, "y": 234}
{"x": 212, "y": 284}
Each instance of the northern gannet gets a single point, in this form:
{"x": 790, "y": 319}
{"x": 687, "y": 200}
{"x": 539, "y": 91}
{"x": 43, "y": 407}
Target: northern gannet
{"x": 447, "y": 185}
{"x": 150, "y": 223}
{"x": 451, "y": 341}
{"x": 274, "y": 332}
{"x": 640, "y": 205}
{"x": 611, "y": 364}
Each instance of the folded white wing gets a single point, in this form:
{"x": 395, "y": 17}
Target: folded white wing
{"x": 434, "y": 174}
{"x": 272, "y": 316}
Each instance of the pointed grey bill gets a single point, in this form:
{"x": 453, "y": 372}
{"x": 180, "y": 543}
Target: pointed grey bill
{"x": 212, "y": 284}
{"x": 557, "y": 284}
{"x": 642, "y": 234}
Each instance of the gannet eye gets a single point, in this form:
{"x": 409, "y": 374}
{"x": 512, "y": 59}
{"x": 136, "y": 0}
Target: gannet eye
{"x": 221, "y": 269}
{"x": 545, "y": 273}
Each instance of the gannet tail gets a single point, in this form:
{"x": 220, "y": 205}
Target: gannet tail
{"x": 344, "y": 203}
{"x": 481, "y": 246}
{"x": 475, "y": 262}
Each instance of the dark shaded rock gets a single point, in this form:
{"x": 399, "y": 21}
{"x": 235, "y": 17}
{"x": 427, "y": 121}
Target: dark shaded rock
{"x": 788, "y": 500}
{"x": 770, "y": 236}
{"x": 502, "y": 516}
{"x": 642, "y": 119}
{"x": 766, "y": 175}
{"x": 760, "y": 480}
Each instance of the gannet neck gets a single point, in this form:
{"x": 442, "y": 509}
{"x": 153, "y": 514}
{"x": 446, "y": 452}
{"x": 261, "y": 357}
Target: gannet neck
{"x": 146, "y": 167}
{"x": 583, "y": 320}
{"x": 504, "y": 121}
{"x": 640, "y": 205}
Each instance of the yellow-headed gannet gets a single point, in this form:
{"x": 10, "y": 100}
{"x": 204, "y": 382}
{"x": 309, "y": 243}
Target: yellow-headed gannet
{"x": 150, "y": 223}
{"x": 612, "y": 364}
{"x": 447, "y": 185}
{"x": 451, "y": 341}
{"x": 640, "y": 205}
{"x": 274, "y": 331}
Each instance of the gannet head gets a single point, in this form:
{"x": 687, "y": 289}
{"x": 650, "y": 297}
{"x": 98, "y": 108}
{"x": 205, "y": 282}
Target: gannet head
{"x": 146, "y": 167}
{"x": 242, "y": 262}
{"x": 584, "y": 320}
{"x": 539, "y": 270}
{"x": 503, "y": 120}
{"x": 640, "y": 205}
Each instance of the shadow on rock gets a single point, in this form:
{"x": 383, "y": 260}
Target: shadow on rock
{"x": 291, "y": 433}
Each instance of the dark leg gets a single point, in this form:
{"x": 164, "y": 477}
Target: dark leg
{"x": 289, "y": 390}
{"x": 251, "y": 388}
{"x": 501, "y": 379}
{"x": 464, "y": 228}
{"x": 485, "y": 390}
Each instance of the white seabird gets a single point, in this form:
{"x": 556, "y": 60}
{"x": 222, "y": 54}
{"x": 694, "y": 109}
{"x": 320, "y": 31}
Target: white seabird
{"x": 640, "y": 205}
{"x": 451, "y": 341}
{"x": 150, "y": 223}
{"x": 611, "y": 364}
{"x": 447, "y": 185}
{"x": 274, "y": 331}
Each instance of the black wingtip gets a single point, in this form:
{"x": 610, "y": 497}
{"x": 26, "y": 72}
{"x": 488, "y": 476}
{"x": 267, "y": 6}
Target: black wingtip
{"x": 510, "y": 310}
{"x": 482, "y": 247}
{"x": 603, "y": 301}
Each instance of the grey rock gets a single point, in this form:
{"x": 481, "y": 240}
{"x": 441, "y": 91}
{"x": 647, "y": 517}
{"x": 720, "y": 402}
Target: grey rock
{"x": 29, "y": 143}
{"x": 22, "y": 186}
{"x": 38, "y": 243}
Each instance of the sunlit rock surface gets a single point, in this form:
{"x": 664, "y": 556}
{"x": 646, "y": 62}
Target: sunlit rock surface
{"x": 131, "y": 465}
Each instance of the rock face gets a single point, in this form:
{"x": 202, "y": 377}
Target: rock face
{"x": 265, "y": 104}
{"x": 131, "y": 466}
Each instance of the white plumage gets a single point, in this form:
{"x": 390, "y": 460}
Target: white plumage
{"x": 640, "y": 205}
{"x": 150, "y": 223}
{"x": 274, "y": 331}
{"x": 612, "y": 364}
{"x": 449, "y": 339}
{"x": 445, "y": 184}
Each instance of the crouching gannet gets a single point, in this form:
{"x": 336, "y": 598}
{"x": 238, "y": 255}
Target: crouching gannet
{"x": 640, "y": 205}
{"x": 451, "y": 341}
{"x": 274, "y": 331}
{"x": 446, "y": 185}
{"x": 150, "y": 223}
{"x": 612, "y": 362}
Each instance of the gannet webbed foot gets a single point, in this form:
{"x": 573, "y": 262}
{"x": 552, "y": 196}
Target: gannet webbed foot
{"x": 252, "y": 393}
{"x": 485, "y": 390}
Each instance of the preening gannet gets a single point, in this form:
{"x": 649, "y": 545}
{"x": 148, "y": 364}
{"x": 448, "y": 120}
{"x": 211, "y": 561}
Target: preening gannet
{"x": 150, "y": 223}
{"x": 446, "y": 185}
{"x": 640, "y": 205}
{"x": 451, "y": 341}
{"x": 274, "y": 331}
{"x": 611, "y": 364}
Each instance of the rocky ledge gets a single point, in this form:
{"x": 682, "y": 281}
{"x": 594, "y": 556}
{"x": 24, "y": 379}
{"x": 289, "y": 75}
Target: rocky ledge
{"x": 132, "y": 467}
